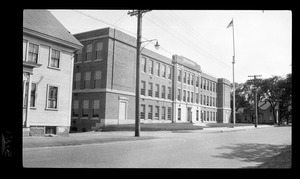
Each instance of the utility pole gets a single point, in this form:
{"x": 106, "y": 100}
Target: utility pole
{"x": 255, "y": 97}
{"x": 139, "y": 14}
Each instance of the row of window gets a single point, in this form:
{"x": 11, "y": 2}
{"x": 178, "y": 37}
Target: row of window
{"x": 87, "y": 56}
{"x": 160, "y": 113}
{"x": 189, "y": 97}
{"x": 51, "y": 99}
{"x": 86, "y": 106}
{"x": 205, "y": 115}
{"x": 159, "y": 69}
{"x": 90, "y": 80}
{"x": 190, "y": 78}
{"x": 31, "y": 54}
{"x": 157, "y": 92}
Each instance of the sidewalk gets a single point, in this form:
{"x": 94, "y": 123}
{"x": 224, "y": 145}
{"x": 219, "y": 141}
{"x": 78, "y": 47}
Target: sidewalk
{"x": 117, "y": 136}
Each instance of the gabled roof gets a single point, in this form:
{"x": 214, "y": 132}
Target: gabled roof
{"x": 44, "y": 23}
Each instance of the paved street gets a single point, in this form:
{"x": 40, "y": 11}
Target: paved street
{"x": 197, "y": 149}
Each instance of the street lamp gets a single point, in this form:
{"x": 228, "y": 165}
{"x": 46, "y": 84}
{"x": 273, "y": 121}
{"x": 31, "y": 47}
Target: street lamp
{"x": 156, "y": 44}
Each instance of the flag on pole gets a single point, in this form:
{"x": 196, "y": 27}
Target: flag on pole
{"x": 230, "y": 24}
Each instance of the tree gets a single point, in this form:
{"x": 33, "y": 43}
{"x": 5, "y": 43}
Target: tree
{"x": 285, "y": 105}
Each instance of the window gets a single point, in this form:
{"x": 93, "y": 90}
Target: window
{"x": 143, "y": 64}
{"x": 188, "y": 96}
{"x": 33, "y": 53}
{"x": 204, "y": 99}
{"x": 150, "y": 108}
{"x": 97, "y": 79}
{"x": 55, "y": 57}
{"x": 179, "y": 95}
{"x": 207, "y": 115}
{"x": 210, "y": 117}
{"x": 151, "y": 66}
{"x": 85, "y": 108}
{"x": 33, "y": 95}
{"x": 184, "y": 95}
{"x": 157, "y": 69}
{"x": 164, "y": 68}
{"x": 157, "y": 90}
{"x": 156, "y": 113}
{"x": 207, "y": 102}
{"x": 197, "y": 81}
{"x": 213, "y": 87}
{"x": 213, "y": 101}
{"x": 143, "y": 87}
{"x": 207, "y": 85}
{"x": 197, "y": 98}
{"x": 89, "y": 52}
{"x": 200, "y": 98}
{"x": 197, "y": 115}
{"x": 75, "y": 108}
{"x": 192, "y": 80}
{"x": 192, "y": 97}
{"x": 169, "y": 72}
{"x": 99, "y": 48}
{"x": 169, "y": 92}
{"x": 214, "y": 116}
{"x": 204, "y": 85}
{"x": 204, "y": 117}
{"x": 25, "y": 93}
{"x": 78, "y": 56}
{"x": 163, "y": 113}
{"x": 163, "y": 92}
{"x": 169, "y": 113}
{"x": 87, "y": 80}
{"x": 179, "y": 114}
{"x": 77, "y": 80}
{"x": 96, "y": 108}
{"x": 142, "y": 116}
{"x": 24, "y": 49}
{"x": 179, "y": 75}
{"x": 52, "y": 97}
{"x": 210, "y": 101}
{"x": 189, "y": 79}
{"x": 210, "y": 86}
{"x": 150, "y": 89}
{"x": 184, "y": 77}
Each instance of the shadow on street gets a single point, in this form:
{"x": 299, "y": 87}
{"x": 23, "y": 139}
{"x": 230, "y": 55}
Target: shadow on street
{"x": 250, "y": 152}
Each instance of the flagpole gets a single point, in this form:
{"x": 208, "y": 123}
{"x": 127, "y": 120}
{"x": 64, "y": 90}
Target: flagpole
{"x": 233, "y": 86}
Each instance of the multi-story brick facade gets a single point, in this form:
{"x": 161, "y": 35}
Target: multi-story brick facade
{"x": 104, "y": 85}
{"x": 47, "y": 74}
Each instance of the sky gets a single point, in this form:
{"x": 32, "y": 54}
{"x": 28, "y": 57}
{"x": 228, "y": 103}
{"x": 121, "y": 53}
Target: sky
{"x": 263, "y": 39}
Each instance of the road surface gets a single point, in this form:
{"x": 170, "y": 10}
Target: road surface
{"x": 201, "y": 149}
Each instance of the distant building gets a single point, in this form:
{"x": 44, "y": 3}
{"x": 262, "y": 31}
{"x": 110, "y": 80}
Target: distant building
{"x": 265, "y": 114}
{"x": 172, "y": 90}
{"x": 47, "y": 74}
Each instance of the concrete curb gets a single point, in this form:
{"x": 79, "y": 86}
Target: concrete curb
{"x": 238, "y": 128}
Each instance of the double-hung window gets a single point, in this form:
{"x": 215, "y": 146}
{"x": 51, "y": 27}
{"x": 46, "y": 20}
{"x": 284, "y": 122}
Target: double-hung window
{"x": 97, "y": 79}
{"x": 163, "y": 91}
{"x": 85, "y": 108}
{"x": 157, "y": 90}
{"x": 143, "y": 64}
{"x": 163, "y": 113}
{"x": 75, "y": 108}
{"x": 143, "y": 87}
{"x": 150, "y": 89}
{"x": 89, "y": 49}
{"x": 164, "y": 68}
{"x": 99, "y": 48}
{"x": 157, "y": 69}
{"x": 78, "y": 56}
{"x": 77, "y": 80}
{"x": 33, "y": 53}
{"x": 151, "y": 67}
{"x": 52, "y": 97}
{"x": 179, "y": 74}
{"x": 150, "y": 110}
{"x": 87, "y": 80}
{"x": 156, "y": 117}
{"x": 33, "y": 95}
{"x": 178, "y": 94}
{"x": 169, "y": 93}
{"x": 142, "y": 116}
{"x": 96, "y": 108}
{"x": 55, "y": 58}
{"x": 169, "y": 72}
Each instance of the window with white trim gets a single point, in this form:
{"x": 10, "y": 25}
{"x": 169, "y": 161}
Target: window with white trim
{"x": 143, "y": 87}
{"x": 33, "y": 95}
{"x": 142, "y": 116}
{"x": 163, "y": 91}
{"x": 55, "y": 58}
{"x": 156, "y": 117}
{"x": 33, "y": 53}
{"x": 52, "y": 97}
{"x": 163, "y": 113}
{"x": 151, "y": 66}
{"x": 163, "y": 70}
{"x": 150, "y": 110}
